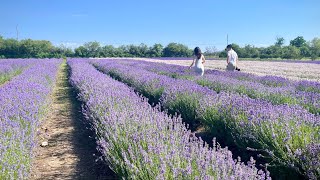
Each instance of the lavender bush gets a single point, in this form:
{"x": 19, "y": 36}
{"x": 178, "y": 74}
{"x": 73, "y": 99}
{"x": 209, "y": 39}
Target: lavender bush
{"x": 11, "y": 68}
{"x": 268, "y": 80}
{"x": 275, "y": 95}
{"x": 276, "y": 131}
{"x": 23, "y": 103}
{"x": 184, "y": 95}
{"x": 140, "y": 142}
{"x": 275, "y": 89}
{"x": 280, "y": 133}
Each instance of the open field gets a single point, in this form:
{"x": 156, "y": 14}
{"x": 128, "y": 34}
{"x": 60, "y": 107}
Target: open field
{"x": 295, "y": 71}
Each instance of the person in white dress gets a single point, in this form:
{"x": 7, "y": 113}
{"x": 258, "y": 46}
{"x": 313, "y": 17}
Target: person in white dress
{"x": 198, "y": 61}
{"x": 232, "y": 59}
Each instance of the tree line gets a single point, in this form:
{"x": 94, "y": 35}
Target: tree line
{"x": 297, "y": 49}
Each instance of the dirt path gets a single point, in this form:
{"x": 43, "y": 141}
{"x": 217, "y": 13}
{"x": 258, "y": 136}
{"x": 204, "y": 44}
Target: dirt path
{"x": 71, "y": 151}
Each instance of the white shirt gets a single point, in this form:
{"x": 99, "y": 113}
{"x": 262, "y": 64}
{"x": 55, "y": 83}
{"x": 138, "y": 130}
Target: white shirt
{"x": 233, "y": 57}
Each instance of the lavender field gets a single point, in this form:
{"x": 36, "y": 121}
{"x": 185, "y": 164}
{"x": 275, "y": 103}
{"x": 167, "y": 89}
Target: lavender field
{"x": 24, "y": 101}
{"x": 156, "y": 119}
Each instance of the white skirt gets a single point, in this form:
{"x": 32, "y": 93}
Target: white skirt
{"x": 199, "y": 69}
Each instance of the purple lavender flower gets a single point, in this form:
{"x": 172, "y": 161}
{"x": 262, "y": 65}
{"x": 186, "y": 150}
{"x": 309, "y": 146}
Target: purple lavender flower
{"x": 249, "y": 122}
{"x": 132, "y": 133}
{"x": 23, "y": 103}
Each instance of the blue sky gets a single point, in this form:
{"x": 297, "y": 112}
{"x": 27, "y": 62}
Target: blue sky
{"x": 194, "y": 23}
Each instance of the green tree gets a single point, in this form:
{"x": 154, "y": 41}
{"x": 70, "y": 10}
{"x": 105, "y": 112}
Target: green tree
{"x": 143, "y": 50}
{"x": 43, "y": 49}
{"x": 81, "y": 51}
{"x": 250, "y": 52}
{"x": 93, "y": 48}
{"x": 131, "y": 50}
{"x": 298, "y": 42}
{"x": 290, "y": 52}
{"x": 108, "y": 51}
{"x": 271, "y": 52}
{"x": 305, "y": 51}
{"x": 122, "y": 51}
{"x": 315, "y": 48}
{"x": 27, "y": 48}
{"x": 11, "y": 48}
{"x": 137, "y": 51}
{"x": 176, "y": 50}
{"x": 223, "y": 54}
{"x": 63, "y": 51}
{"x": 156, "y": 50}
{"x": 279, "y": 41}
{"x": 2, "y": 48}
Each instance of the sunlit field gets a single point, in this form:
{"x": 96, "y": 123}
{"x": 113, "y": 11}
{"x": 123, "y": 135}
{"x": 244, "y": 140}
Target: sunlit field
{"x": 157, "y": 119}
{"x": 296, "y": 70}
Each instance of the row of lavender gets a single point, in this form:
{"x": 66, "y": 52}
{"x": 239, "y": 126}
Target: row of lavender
{"x": 286, "y": 136}
{"x": 268, "y": 80}
{"x": 23, "y": 103}
{"x": 11, "y": 68}
{"x": 275, "y": 89}
{"x": 140, "y": 142}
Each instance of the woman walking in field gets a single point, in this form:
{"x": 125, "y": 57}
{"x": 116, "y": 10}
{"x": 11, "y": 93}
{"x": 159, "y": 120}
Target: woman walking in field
{"x": 198, "y": 61}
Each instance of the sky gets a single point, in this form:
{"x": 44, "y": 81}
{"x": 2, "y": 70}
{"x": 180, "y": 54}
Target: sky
{"x": 203, "y": 23}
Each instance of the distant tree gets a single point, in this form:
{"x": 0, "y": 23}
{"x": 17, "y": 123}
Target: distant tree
{"x": 131, "y": 50}
{"x": 279, "y": 41}
{"x": 143, "y": 50}
{"x": 81, "y": 51}
{"x": 176, "y": 50}
{"x": 93, "y": 48}
{"x": 250, "y": 52}
{"x": 271, "y": 52}
{"x": 156, "y": 50}
{"x": 43, "y": 49}
{"x": 276, "y": 51}
{"x": 11, "y": 48}
{"x": 68, "y": 52}
{"x": 123, "y": 51}
{"x": 298, "y": 42}
{"x": 2, "y": 48}
{"x": 290, "y": 52}
{"x": 107, "y": 51}
{"x": 314, "y": 48}
{"x": 222, "y": 54}
{"x": 265, "y": 52}
{"x": 28, "y": 48}
{"x": 137, "y": 51}
{"x": 305, "y": 51}
{"x": 63, "y": 51}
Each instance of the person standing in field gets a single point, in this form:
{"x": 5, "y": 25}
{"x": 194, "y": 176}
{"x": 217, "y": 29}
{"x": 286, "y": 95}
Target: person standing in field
{"x": 198, "y": 61}
{"x": 232, "y": 59}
